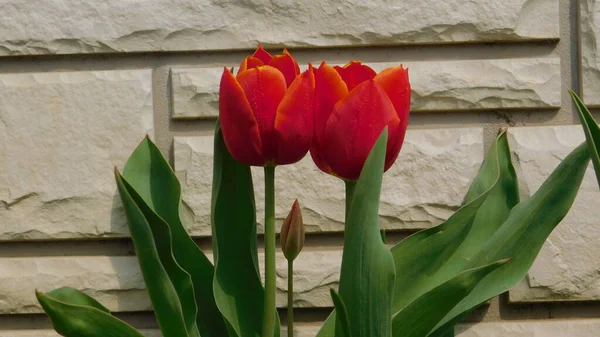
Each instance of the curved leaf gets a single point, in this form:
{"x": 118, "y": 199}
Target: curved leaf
{"x": 423, "y": 314}
{"x": 237, "y": 285}
{"x": 591, "y": 130}
{"x": 76, "y": 320}
{"x": 163, "y": 295}
{"x": 342, "y": 326}
{"x": 367, "y": 273}
{"x": 524, "y": 232}
{"x": 180, "y": 279}
{"x": 151, "y": 176}
{"x": 76, "y": 297}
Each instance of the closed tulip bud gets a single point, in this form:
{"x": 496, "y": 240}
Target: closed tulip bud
{"x": 353, "y": 104}
{"x": 292, "y": 233}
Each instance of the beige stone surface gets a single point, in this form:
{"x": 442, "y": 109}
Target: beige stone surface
{"x": 117, "y": 282}
{"x": 567, "y": 268}
{"x": 89, "y": 26}
{"x": 590, "y": 54}
{"x": 540, "y": 328}
{"x": 423, "y": 188}
{"x": 436, "y": 86}
{"x": 61, "y": 134}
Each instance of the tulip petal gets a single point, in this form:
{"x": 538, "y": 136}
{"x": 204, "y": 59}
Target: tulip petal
{"x": 329, "y": 89}
{"x": 354, "y": 126}
{"x": 287, "y": 65}
{"x": 262, "y": 54}
{"x": 249, "y": 63}
{"x": 294, "y": 122}
{"x": 354, "y": 73}
{"x": 238, "y": 124}
{"x": 397, "y": 86}
{"x": 264, "y": 88}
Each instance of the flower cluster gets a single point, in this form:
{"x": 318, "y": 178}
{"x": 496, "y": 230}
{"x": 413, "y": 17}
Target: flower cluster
{"x": 272, "y": 114}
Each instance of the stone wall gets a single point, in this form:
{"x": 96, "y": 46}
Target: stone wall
{"x": 82, "y": 82}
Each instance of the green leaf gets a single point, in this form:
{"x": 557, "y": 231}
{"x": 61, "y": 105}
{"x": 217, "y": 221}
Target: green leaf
{"x": 342, "y": 326}
{"x": 431, "y": 257}
{"x": 180, "y": 279}
{"x": 420, "y": 316}
{"x": 163, "y": 295}
{"x": 76, "y": 297}
{"x": 79, "y": 320}
{"x": 150, "y": 175}
{"x": 591, "y": 130}
{"x": 367, "y": 272}
{"x": 237, "y": 285}
{"x": 525, "y": 230}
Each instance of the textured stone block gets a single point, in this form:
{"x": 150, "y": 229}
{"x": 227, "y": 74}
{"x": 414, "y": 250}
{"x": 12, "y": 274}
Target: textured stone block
{"x": 116, "y": 281}
{"x": 89, "y": 26}
{"x": 567, "y": 267}
{"x": 437, "y": 86}
{"x": 423, "y": 188}
{"x": 61, "y": 134}
{"x": 590, "y": 54}
{"x": 540, "y": 328}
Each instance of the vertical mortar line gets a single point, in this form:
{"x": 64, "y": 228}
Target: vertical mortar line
{"x": 161, "y": 99}
{"x": 578, "y": 52}
{"x": 568, "y": 51}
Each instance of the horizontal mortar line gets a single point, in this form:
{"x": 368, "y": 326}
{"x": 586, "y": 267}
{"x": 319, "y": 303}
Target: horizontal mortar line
{"x": 403, "y": 53}
{"x": 418, "y": 120}
{"x": 81, "y": 247}
{"x": 146, "y": 319}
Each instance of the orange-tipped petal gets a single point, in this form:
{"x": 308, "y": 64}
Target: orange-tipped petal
{"x": 354, "y": 73}
{"x": 264, "y": 87}
{"x": 354, "y": 126}
{"x": 397, "y": 86}
{"x": 249, "y": 63}
{"x": 329, "y": 89}
{"x": 294, "y": 122}
{"x": 262, "y": 54}
{"x": 287, "y": 65}
{"x": 238, "y": 124}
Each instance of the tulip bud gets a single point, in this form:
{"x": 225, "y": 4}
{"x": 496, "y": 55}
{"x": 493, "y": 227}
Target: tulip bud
{"x": 292, "y": 233}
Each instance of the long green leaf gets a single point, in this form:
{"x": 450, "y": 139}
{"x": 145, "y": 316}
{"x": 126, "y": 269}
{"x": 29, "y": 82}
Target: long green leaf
{"x": 423, "y": 314}
{"x": 431, "y": 257}
{"x": 237, "y": 285}
{"x": 367, "y": 272}
{"x": 76, "y": 297}
{"x": 418, "y": 258}
{"x": 77, "y": 320}
{"x": 150, "y": 175}
{"x": 180, "y": 279}
{"x": 342, "y": 325}
{"x": 591, "y": 130}
{"x": 524, "y": 232}
{"x": 163, "y": 295}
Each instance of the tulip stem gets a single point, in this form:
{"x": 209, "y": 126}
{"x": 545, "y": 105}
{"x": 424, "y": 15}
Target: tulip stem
{"x": 269, "y": 309}
{"x": 350, "y": 185}
{"x": 290, "y": 300}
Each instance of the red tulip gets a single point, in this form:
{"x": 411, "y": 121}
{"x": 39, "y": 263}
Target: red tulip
{"x": 352, "y": 107}
{"x": 266, "y": 111}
